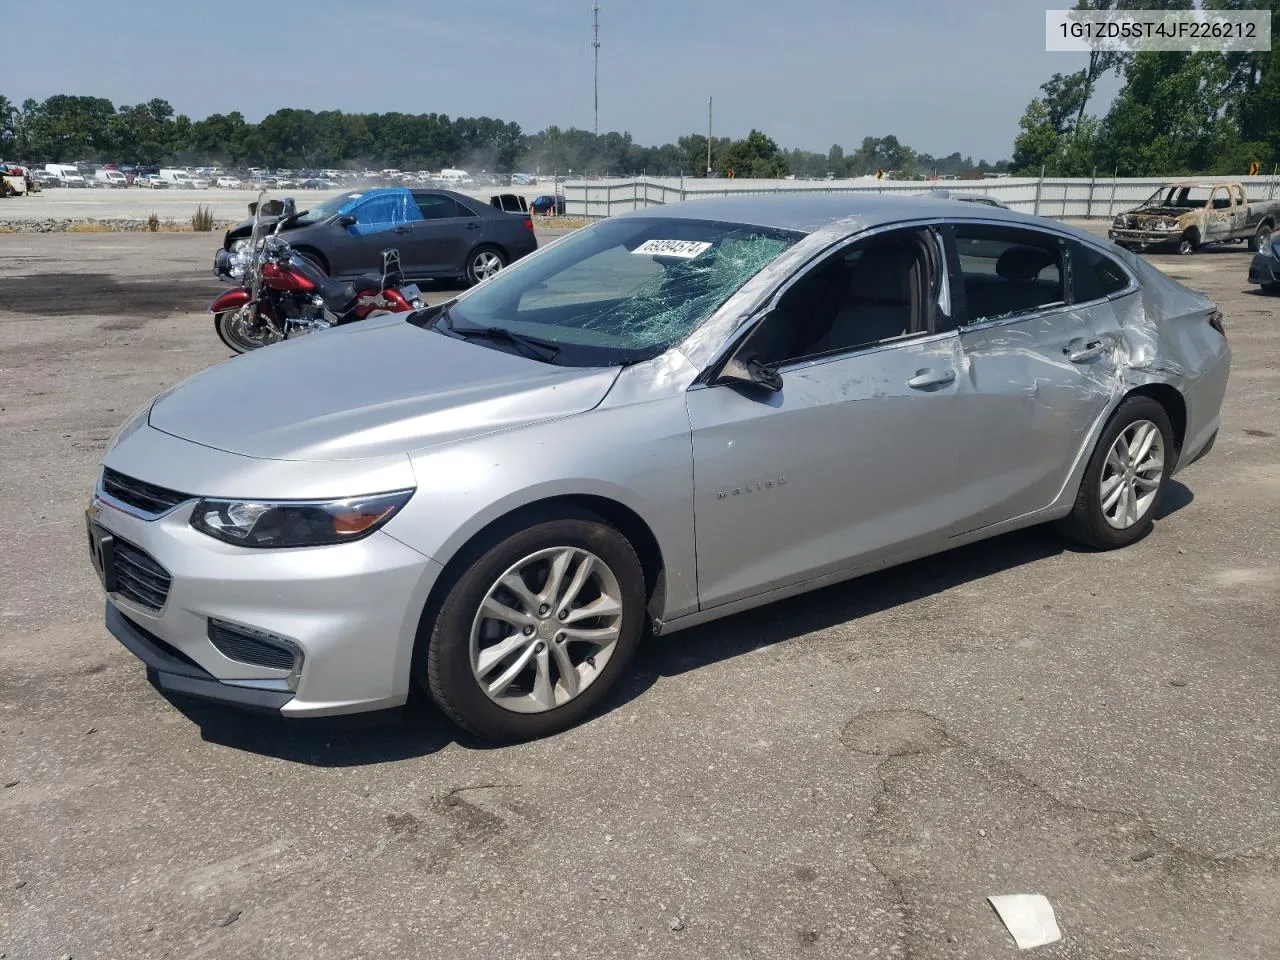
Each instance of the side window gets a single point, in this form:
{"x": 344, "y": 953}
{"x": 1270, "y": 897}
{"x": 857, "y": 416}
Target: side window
{"x": 379, "y": 213}
{"x": 883, "y": 289}
{"x": 436, "y": 206}
{"x": 1007, "y": 271}
{"x": 1239, "y": 194}
{"x": 1094, "y": 275}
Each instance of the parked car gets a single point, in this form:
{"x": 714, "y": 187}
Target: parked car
{"x": 110, "y": 178}
{"x": 1192, "y": 214}
{"x": 438, "y": 234}
{"x": 1265, "y": 267}
{"x": 981, "y": 198}
{"x": 151, "y": 181}
{"x": 664, "y": 418}
{"x": 546, "y": 204}
{"x": 65, "y": 174}
{"x": 228, "y": 183}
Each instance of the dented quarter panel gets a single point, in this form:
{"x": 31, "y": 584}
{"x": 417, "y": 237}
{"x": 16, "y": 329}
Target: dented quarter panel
{"x": 1029, "y": 409}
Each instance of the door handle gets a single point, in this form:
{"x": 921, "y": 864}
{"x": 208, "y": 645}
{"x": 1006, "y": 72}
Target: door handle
{"x": 473, "y": 226}
{"x": 927, "y": 379}
{"x": 402, "y": 229}
{"x": 1083, "y": 354}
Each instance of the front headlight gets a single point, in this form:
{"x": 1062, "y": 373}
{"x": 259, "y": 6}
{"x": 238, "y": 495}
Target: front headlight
{"x": 136, "y": 421}
{"x": 1168, "y": 225}
{"x": 296, "y": 523}
{"x": 1274, "y": 247}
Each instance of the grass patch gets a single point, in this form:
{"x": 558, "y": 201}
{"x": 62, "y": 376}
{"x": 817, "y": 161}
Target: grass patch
{"x": 153, "y": 222}
{"x": 202, "y": 219}
{"x": 91, "y": 226}
{"x": 571, "y": 222}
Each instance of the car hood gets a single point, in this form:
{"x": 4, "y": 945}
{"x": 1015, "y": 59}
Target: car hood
{"x": 244, "y": 228}
{"x": 369, "y": 389}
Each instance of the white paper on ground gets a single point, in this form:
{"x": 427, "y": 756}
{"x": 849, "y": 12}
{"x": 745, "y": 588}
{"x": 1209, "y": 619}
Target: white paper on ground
{"x": 1028, "y": 916}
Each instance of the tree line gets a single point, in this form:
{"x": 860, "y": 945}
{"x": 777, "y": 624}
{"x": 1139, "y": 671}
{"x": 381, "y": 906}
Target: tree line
{"x": 65, "y": 129}
{"x": 1176, "y": 113}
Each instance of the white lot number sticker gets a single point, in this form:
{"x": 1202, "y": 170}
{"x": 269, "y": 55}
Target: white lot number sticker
{"x": 686, "y": 249}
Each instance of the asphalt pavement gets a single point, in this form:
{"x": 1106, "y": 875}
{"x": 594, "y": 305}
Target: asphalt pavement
{"x": 847, "y": 774}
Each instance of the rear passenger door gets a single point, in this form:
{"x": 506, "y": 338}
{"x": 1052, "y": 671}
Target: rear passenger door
{"x": 1039, "y": 364}
{"x": 441, "y": 239}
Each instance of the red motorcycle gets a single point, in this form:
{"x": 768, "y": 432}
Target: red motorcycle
{"x": 282, "y": 294}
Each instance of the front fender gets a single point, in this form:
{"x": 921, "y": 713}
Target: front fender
{"x": 231, "y": 300}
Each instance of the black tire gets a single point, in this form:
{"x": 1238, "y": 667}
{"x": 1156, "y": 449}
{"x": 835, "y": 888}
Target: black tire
{"x": 1271, "y": 287}
{"x": 449, "y": 676}
{"x": 1086, "y": 524}
{"x": 233, "y": 336}
{"x": 1260, "y": 237}
{"x": 1190, "y": 242}
{"x": 315, "y": 260}
{"x": 475, "y": 258}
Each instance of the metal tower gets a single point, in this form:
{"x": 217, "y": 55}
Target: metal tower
{"x": 595, "y": 43}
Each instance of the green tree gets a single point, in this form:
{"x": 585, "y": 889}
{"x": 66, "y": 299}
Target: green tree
{"x": 1038, "y": 142}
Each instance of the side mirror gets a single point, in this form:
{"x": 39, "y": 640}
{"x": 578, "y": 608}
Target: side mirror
{"x": 346, "y": 220}
{"x": 750, "y": 373}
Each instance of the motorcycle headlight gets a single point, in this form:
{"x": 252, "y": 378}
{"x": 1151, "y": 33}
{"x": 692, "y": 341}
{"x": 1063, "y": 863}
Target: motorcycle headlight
{"x": 136, "y": 421}
{"x": 296, "y": 523}
{"x": 239, "y": 245}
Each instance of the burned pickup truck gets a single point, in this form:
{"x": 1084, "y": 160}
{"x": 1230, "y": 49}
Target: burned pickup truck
{"x": 1192, "y": 213}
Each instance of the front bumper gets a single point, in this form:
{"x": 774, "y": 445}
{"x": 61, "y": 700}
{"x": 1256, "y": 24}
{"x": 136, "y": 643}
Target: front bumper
{"x": 1264, "y": 268}
{"x": 352, "y": 610}
{"x": 1143, "y": 238}
{"x": 173, "y": 673}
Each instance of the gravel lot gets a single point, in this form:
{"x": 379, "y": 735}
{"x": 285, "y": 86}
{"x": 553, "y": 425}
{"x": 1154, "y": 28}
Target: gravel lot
{"x": 846, "y": 774}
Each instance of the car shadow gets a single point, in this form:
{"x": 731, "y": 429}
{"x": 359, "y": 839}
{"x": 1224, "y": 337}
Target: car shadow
{"x": 419, "y": 729}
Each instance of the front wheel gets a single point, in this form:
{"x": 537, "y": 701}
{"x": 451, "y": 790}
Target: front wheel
{"x": 1125, "y": 478}
{"x": 483, "y": 264}
{"x": 1260, "y": 237}
{"x": 243, "y": 329}
{"x": 1189, "y": 243}
{"x": 536, "y": 629}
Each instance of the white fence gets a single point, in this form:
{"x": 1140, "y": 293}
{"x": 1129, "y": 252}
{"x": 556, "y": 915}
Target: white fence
{"x": 1049, "y": 197}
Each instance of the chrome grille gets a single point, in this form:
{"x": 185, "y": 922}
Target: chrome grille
{"x": 139, "y": 577}
{"x": 252, "y": 646}
{"x": 139, "y": 494}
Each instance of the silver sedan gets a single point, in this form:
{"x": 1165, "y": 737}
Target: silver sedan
{"x": 661, "y": 419}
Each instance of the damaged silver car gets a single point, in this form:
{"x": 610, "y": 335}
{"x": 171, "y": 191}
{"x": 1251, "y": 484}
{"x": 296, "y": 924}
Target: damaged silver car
{"x": 662, "y": 419}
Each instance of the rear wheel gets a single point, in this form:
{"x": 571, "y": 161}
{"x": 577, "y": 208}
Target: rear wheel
{"x": 1125, "y": 478}
{"x": 1260, "y": 237}
{"x": 535, "y": 631}
{"x": 483, "y": 263}
{"x": 1271, "y": 287}
{"x": 1189, "y": 243}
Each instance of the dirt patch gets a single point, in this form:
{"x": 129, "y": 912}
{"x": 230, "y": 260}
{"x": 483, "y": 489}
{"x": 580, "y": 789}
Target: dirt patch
{"x": 71, "y": 294}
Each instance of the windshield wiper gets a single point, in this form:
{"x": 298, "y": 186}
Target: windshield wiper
{"x": 531, "y": 347}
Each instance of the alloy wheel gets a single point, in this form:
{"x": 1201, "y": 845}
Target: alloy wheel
{"x": 485, "y": 265}
{"x": 546, "y": 629}
{"x": 1132, "y": 474}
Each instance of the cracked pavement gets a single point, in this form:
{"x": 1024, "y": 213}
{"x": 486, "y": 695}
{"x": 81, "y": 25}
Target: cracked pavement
{"x": 845, "y": 774}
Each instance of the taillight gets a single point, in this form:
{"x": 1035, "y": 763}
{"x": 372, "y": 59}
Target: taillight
{"x": 528, "y": 224}
{"x": 1215, "y": 321}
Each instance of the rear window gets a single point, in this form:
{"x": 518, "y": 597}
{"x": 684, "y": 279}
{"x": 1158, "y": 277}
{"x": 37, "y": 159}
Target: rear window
{"x": 1094, "y": 275}
{"x": 1008, "y": 271}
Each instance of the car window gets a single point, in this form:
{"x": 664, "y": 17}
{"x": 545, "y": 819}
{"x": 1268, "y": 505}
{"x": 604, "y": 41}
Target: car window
{"x": 1220, "y": 199}
{"x": 1094, "y": 275}
{"x": 1008, "y": 271}
{"x": 874, "y": 292}
{"x": 436, "y": 206}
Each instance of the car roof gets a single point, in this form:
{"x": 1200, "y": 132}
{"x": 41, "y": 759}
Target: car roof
{"x": 810, "y": 211}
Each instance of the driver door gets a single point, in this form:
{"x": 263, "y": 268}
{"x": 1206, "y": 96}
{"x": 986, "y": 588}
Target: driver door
{"x": 847, "y": 465}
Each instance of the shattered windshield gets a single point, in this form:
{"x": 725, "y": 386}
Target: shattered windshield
{"x": 327, "y": 208}
{"x": 622, "y": 290}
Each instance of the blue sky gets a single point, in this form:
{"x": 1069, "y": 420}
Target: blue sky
{"x": 939, "y": 74}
